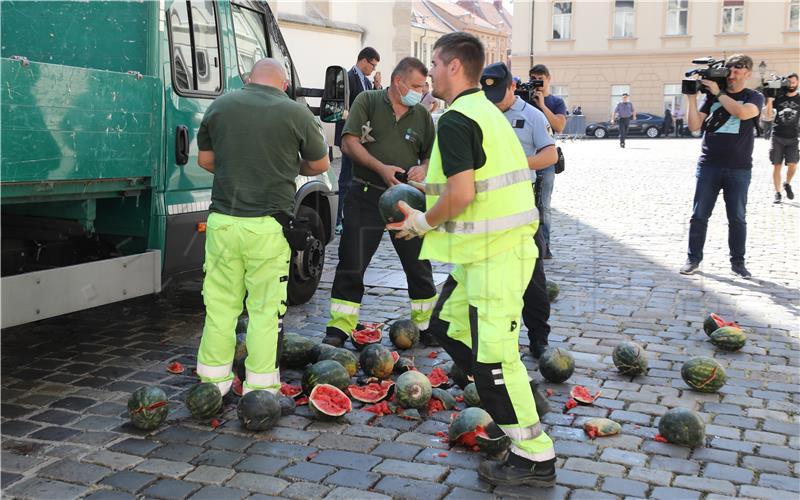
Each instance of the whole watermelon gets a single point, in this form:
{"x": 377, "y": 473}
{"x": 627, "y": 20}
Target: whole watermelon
{"x": 343, "y": 357}
{"x": 404, "y": 333}
{"x": 326, "y": 371}
{"x": 471, "y": 397}
{"x": 703, "y": 374}
{"x": 204, "y": 400}
{"x": 387, "y": 204}
{"x": 556, "y": 364}
{"x": 728, "y": 338}
{"x": 147, "y": 408}
{"x": 413, "y": 390}
{"x": 318, "y": 350}
{"x": 630, "y": 358}
{"x": 682, "y": 426}
{"x": 552, "y": 290}
{"x": 258, "y": 410}
{"x": 377, "y": 361}
{"x": 296, "y": 350}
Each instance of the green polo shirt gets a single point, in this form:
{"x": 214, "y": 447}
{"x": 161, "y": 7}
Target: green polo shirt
{"x": 258, "y": 135}
{"x": 404, "y": 143}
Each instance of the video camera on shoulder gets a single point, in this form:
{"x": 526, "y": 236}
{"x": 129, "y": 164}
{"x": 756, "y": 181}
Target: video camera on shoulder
{"x": 527, "y": 89}
{"x": 776, "y": 86}
{"x": 715, "y": 71}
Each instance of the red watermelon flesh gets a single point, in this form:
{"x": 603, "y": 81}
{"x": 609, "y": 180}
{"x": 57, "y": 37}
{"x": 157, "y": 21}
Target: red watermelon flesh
{"x": 434, "y": 405}
{"x": 371, "y": 393}
{"x": 368, "y": 334}
{"x": 580, "y": 394}
{"x": 395, "y": 356}
{"x": 438, "y": 377}
{"x": 291, "y": 391}
{"x": 330, "y": 400}
{"x": 468, "y": 439}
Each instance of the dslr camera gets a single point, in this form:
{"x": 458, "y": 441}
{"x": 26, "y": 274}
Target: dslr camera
{"x": 776, "y": 86}
{"x": 715, "y": 70}
{"x": 526, "y": 90}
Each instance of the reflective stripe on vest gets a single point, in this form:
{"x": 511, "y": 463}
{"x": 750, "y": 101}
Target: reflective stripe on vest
{"x": 523, "y": 433}
{"x": 489, "y": 184}
{"x": 490, "y": 225}
{"x": 344, "y": 309}
{"x": 536, "y": 457}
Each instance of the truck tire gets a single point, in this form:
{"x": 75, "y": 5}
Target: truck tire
{"x": 305, "y": 267}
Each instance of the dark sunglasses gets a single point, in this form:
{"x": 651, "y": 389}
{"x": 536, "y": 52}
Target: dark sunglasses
{"x": 737, "y": 66}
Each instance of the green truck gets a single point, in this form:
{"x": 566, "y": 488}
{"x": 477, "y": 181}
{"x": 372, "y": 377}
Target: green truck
{"x": 102, "y": 197}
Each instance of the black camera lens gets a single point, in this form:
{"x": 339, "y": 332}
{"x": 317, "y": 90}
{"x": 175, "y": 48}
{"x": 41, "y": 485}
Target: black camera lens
{"x": 690, "y": 87}
{"x": 401, "y": 176}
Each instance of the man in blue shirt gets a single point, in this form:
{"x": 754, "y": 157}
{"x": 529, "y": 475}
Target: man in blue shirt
{"x": 725, "y": 161}
{"x": 531, "y": 128}
{"x": 555, "y": 110}
{"x": 623, "y": 113}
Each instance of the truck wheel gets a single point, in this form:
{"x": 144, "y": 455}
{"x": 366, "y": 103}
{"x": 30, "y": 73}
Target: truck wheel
{"x": 305, "y": 268}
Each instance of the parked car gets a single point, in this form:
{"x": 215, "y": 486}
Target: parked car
{"x": 645, "y": 124}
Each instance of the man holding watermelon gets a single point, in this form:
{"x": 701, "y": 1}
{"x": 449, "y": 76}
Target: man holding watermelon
{"x": 481, "y": 217}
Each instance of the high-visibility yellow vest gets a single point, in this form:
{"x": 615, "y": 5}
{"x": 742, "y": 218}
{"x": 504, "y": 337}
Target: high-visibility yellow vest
{"x": 503, "y": 213}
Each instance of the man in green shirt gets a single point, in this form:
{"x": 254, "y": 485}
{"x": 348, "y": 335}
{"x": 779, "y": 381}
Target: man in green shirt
{"x": 389, "y": 136}
{"x": 252, "y": 141}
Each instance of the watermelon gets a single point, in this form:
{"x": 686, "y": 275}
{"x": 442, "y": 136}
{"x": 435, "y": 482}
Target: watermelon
{"x": 287, "y": 405}
{"x": 682, "y": 426}
{"x": 259, "y": 410}
{"x": 403, "y": 365}
{"x": 438, "y": 378}
{"x": 580, "y": 394}
{"x": 328, "y": 402}
{"x": 556, "y": 364}
{"x": 600, "y": 427}
{"x": 342, "y": 356}
{"x": 552, "y": 290}
{"x": 366, "y": 334}
{"x": 703, "y": 374}
{"x": 630, "y": 358}
{"x": 204, "y": 400}
{"x": 148, "y": 408}
{"x": 491, "y": 439}
{"x": 728, "y": 338}
{"x": 291, "y": 391}
{"x": 404, "y": 333}
{"x": 371, "y": 393}
{"x": 317, "y": 351}
{"x": 296, "y": 350}
{"x": 240, "y": 355}
{"x": 471, "y": 397}
{"x": 387, "y": 203}
{"x": 413, "y": 390}
{"x": 713, "y": 322}
{"x": 327, "y": 372}
{"x": 377, "y": 361}
{"x": 447, "y": 399}
{"x": 463, "y": 427}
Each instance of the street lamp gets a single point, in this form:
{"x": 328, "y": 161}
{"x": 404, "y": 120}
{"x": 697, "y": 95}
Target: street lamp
{"x": 762, "y": 70}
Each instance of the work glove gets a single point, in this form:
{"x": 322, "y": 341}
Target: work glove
{"x": 414, "y": 225}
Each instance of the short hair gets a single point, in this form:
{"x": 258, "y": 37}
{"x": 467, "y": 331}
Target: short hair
{"x": 369, "y": 54}
{"x": 407, "y": 65}
{"x": 539, "y": 69}
{"x": 740, "y": 58}
{"x": 464, "y": 47}
{"x": 791, "y": 75}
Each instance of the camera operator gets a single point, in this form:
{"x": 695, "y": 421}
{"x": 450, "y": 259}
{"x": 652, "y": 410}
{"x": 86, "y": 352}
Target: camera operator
{"x": 725, "y": 160}
{"x": 555, "y": 110}
{"x": 784, "y": 145}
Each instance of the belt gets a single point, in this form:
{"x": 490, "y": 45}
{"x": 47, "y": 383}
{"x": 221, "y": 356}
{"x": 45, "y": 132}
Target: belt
{"x": 368, "y": 183}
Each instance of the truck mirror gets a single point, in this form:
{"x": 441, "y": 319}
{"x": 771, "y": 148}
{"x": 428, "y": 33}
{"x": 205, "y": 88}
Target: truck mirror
{"x": 335, "y": 96}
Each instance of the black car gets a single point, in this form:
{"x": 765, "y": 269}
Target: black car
{"x": 645, "y": 124}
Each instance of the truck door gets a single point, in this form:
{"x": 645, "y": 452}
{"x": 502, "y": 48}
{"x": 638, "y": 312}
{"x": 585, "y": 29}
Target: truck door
{"x": 192, "y": 81}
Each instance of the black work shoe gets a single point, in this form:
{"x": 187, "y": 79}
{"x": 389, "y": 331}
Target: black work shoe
{"x": 427, "y": 339}
{"x": 777, "y": 198}
{"x": 538, "y": 348}
{"x": 542, "y": 405}
{"x": 518, "y": 471}
{"x": 739, "y": 269}
{"x": 548, "y": 255}
{"x": 334, "y": 337}
{"x": 788, "y": 188}
{"x": 690, "y": 267}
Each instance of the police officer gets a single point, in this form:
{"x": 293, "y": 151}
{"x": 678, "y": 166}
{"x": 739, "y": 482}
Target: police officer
{"x": 481, "y": 217}
{"x": 250, "y": 140}
{"x": 388, "y": 134}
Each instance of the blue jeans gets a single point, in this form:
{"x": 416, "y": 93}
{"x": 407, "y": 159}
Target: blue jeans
{"x": 345, "y": 176}
{"x": 547, "y": 177}
{"x": 734, "y": 183}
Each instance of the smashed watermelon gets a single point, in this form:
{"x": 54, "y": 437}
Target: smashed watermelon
{"x": 438, "y": 377}
{"x": 371, "y": 393}
{"x": 328, "y": 402}
{"x": 580, "y": 394}
{"x": 366, "y": 333}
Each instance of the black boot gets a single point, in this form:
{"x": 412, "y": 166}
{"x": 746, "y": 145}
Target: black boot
{"x": 427, "y": 339}
{"x": 518, "y": 471}
{"x": 334, "y": 337}
{"x": 542, "y": 405}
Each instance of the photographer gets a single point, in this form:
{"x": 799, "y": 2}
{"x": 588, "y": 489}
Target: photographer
{"x": 725, "y": 160}
{"x": 555, "y": 110}
{"x": 784, "y": 145}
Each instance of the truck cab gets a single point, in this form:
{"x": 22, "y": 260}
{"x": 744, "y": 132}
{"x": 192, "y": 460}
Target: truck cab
{"x": 102, "y": 197}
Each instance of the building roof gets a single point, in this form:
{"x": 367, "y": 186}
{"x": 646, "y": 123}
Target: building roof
{"x": 492, "y": 12}
{"x": 460, "y": 18}
{"x": 422, "y": 16}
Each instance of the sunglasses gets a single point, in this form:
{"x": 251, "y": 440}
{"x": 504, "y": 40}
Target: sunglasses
{"x": 737, "y": 66}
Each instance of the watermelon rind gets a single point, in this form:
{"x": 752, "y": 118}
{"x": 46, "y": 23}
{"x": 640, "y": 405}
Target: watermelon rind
{"x": 703, "y": 374}
{"x": 147, "y": 408}
{"x": 320, "y": 399}
{"x": 556, "y": 364}
{"x": 204, "y": 400}
{"x": 413, "y": 390}
{"x": 259, "y": 410}
{"x": 682, "y": 426}
{"x": 728, "y": 338}
{"x": 326, "y": 371}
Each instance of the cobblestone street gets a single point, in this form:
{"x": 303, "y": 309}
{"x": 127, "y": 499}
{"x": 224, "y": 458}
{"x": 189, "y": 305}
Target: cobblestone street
{"x": 620, "y": 227}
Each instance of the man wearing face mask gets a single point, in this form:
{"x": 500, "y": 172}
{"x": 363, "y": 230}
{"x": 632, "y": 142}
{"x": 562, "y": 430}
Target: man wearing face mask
{"x": 389, "y": 136}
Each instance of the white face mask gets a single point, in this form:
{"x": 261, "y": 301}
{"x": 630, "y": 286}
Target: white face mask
{"x": 412, "y": 98}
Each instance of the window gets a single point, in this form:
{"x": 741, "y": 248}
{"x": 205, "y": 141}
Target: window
{"x": 562, "y": 20}
{"x": 623, "y": 18}
{"x": 561, "y": 91}
{"x": 794, "y": 15}
{"x": 251, "y": 40}
{"x": 673, "y": 98}
{"x": 195, "y": 49}
{"x": 616, "y": 94}
{"x": 677, "y": 17}
{"x": 733, "y": 16}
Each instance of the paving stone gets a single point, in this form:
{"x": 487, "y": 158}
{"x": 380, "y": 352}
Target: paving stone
{"x": 94, "y": 438}
{"x": 133, "y": 446}
{"x": 129, "y": 480}
{"x": 676, "y": 465}
{"x": 74, "y": 404}
{"x": 766, "y": 465}
{"x": 728, "y": 473}
{"x": 217, "y": 458}
{"x": 347, "y": 459}
{"x": 399, "y": 487}
{"x": 171, "y": 489}
{"x": 593, "y": 495}
{"x": 396, "y": 450}
{"x": 468, "y": 479}
{"x": 600, "y": 468}
{"x": 625, "y": 487}
{"x": 464, "y": 494}
{"x": 74, "y": 472}
{"x": 370, "y": 431}
{"x": 424, "y": 440}
{"x": 452, "y": 458}
{"x": 307, "y": 471}
{"x": 184, "y": 435}
{"x": 352, "y": 443}
{"x": 13, "y": 462}
{"x": 18, "y": 428}
{"x": 231, "y": 443}
{"x": 292, "y": 451}
{"x": 109, "y": 495}
{"x": 652, "y": 476}
{"x": 411, "y": 469}
{"x": 662, "y": 493}
{"x": 575, "y": 449}
{"x": 261, "y": 464}
{"x": 623, "y": 457}
{"x": 765, "y": 493}
{"x": 217, "y": 493}
{"x": 177, "y": 452}
{"x": 8, "y": 478}
{"x": 733, "y": 445}
{"x": 116, "y": 461}
{"x": 43, "y": 488}
{"x": 97, "y": 423}
{"x": 57, "y": 417}
{"x": 705, "y": 484}
{"x": 305, "y": 490}
{"x": 258, "y": 483}
{"x": 166, "y": 468}
{"x": 712, "y": 455}
{"x": 765, "y": 437}
{"x": 670, "y": 450}
{"x": 289, "y": 435}
{"x": 350, "y": 478}
{"x": 208, "y": 474}
{"x": 352, "y": 494}
{"x": 781, "y": 452}
{"x": 779, "y": 482}
{"x": 574, "y": 478}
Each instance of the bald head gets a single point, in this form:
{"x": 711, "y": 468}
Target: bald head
{"x": 270, "y": 72}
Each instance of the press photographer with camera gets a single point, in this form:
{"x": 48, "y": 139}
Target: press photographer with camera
{"x": 784, "y": 101}
{"x": 726, "y": 158}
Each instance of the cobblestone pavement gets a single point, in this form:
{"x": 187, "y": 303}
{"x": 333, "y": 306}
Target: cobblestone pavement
{"x": 620, "y": 227}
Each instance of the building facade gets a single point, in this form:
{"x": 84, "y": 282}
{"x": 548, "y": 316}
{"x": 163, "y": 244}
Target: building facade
{"x": 600, "y": 49}
{"x": 480, "y": 19}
